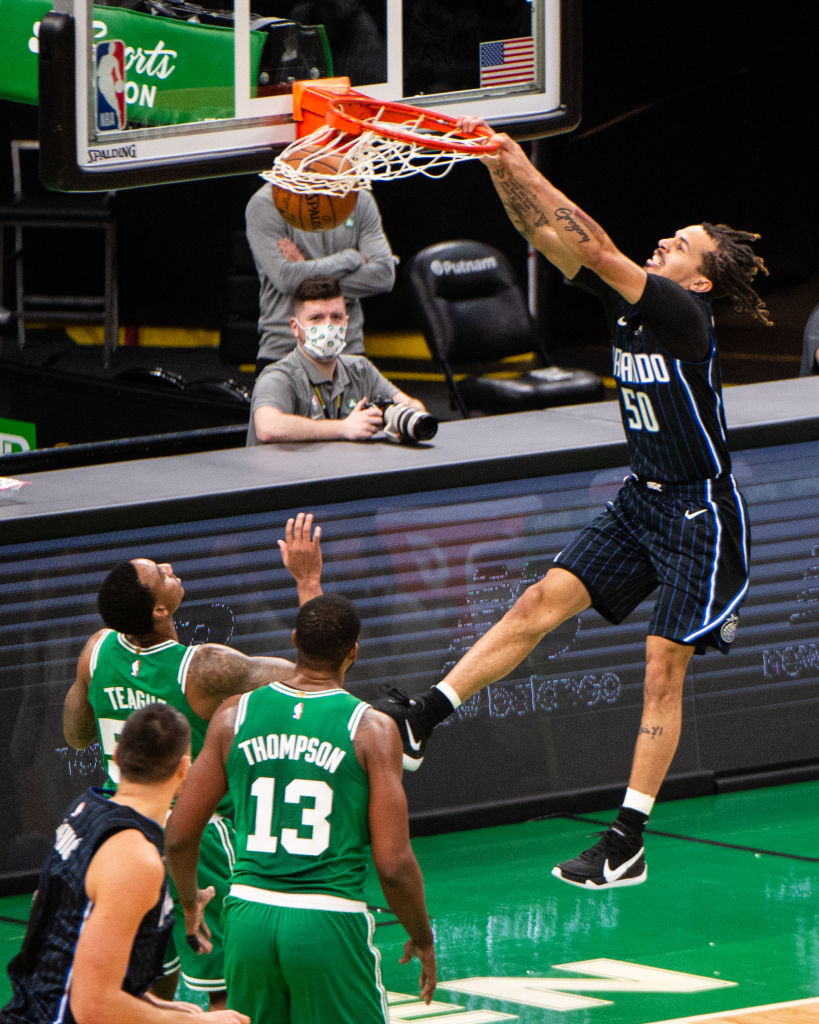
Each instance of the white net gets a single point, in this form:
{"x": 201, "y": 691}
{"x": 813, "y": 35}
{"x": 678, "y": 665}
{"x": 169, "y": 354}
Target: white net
{"x": 367, "y": 158}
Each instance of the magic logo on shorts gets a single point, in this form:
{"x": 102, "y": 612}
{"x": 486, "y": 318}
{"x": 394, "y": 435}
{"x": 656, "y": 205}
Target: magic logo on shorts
{"x": 728, "y": 630}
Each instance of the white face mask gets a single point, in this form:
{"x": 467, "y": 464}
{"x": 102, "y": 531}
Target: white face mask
{"x": 324, "y": 341}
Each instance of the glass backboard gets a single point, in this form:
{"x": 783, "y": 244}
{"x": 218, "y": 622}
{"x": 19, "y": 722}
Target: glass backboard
{"x": 137, "y": 92}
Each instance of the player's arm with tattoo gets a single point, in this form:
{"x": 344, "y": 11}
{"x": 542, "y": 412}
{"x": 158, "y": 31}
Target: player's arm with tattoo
{"x": 519, "y": 191}
{"x": 217, "y": 672}
{"x": 572, "y": 238}
{"x": 566, "y": 235}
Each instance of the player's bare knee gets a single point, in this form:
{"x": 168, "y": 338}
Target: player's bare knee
{"x": 663, "y": 684}
{"x": 550, "y": 601}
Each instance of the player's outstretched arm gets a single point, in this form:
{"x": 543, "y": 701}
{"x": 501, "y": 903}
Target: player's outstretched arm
{"x": 301, "y": 555}
{"x": 378, "y": 746}
{"x": 518, "y": 184}
{"x": 566, "y": 235}
{"x": 217, "y": 672}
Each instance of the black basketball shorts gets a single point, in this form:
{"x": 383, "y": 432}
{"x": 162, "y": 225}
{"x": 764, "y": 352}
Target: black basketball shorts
{"x": 689, "y": 542}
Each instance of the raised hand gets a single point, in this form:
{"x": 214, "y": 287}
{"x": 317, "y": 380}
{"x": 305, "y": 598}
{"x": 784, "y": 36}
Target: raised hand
{"x": 301, "y": 554}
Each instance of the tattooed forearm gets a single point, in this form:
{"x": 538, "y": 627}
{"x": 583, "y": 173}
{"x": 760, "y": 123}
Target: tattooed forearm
{"x": 569, "y": 221}
{"x": 523, "y": 211}
{"x": 591, "y": 225}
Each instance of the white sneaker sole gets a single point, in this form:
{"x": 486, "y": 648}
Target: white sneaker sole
{"x": 589, "y": 884}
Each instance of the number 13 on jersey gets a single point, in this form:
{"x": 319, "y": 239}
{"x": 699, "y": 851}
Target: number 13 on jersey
{"x": 317, "y": 800}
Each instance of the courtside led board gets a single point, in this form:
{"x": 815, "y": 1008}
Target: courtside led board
{"x": 171, "y": 91}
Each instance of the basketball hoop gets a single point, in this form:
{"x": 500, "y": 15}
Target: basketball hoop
{"x": 379, "y": 140}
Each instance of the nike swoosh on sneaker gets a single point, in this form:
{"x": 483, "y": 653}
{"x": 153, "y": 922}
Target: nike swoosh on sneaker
{"x": 413, "y": 742}
{"x": 615, "y": 874}
{"x": 693, "y": 515}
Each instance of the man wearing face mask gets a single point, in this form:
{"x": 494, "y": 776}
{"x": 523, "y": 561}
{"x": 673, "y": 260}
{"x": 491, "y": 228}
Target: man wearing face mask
{"x": 315, "y": 393}
{"x": 356, "y": 251}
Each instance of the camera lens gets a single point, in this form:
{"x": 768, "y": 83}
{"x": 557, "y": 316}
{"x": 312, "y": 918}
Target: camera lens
{"x": 423, "y": 427}
{"x": 409, "y": 424}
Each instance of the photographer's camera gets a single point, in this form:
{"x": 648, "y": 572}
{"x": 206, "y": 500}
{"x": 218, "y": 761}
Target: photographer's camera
{"x": 403, "y": 423}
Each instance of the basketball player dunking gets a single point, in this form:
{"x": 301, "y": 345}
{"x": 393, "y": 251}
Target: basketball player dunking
{"x": 678, "y": 525}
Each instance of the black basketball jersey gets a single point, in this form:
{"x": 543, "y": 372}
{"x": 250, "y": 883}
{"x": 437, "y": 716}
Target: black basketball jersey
{"x": 671, "y": 407}
{"x": 41, "y": 972}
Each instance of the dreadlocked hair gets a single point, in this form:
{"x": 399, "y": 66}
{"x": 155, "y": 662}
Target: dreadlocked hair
{"x": 732, "y": 266}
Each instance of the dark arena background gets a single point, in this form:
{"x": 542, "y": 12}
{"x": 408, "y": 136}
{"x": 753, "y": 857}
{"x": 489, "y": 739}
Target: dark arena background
{"x": 703, "y": 111}
{"x": 696, "y": 113}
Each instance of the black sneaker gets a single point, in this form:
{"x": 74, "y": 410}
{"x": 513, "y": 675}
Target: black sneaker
{"x": 617, "y": 859}
{"x": 407, "y": 713}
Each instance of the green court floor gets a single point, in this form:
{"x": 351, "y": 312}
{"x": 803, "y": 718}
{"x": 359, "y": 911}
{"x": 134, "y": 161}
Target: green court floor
{"x": 727, "y": 919}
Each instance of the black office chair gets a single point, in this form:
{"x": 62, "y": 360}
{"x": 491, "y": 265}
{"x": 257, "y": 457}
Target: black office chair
{"x": 223, "y": 389}
{"x": 157, "y": 378}
{"x": 473, "y": 314}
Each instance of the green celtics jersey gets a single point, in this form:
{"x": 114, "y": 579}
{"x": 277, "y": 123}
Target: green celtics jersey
{"x": 125, "y": 677}
{"x": 299, "y": 792}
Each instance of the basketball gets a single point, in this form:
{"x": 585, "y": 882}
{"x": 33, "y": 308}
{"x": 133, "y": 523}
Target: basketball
{"x": 315, "y": 211}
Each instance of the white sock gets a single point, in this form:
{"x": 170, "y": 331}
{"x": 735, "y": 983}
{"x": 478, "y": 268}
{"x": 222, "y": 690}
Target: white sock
{"x": 638, "y": 801}
{"x": 449, "y": 693}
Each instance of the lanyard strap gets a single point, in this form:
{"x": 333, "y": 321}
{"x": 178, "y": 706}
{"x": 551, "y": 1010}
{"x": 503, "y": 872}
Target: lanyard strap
{"x": 323, "y": 405}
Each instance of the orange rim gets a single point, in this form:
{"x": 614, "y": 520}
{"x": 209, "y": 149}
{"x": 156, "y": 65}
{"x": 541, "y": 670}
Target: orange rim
{"x": 351, "y": 112}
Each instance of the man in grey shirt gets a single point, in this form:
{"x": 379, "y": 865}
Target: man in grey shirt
{"x": 356, "y": 252}
{"x": 315, "y": 393}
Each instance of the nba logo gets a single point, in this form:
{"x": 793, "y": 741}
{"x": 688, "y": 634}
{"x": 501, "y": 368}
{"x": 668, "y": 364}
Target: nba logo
{"x": 111, "y": 85}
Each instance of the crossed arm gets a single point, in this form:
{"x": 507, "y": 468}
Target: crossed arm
{"x": 368, "y": 269}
